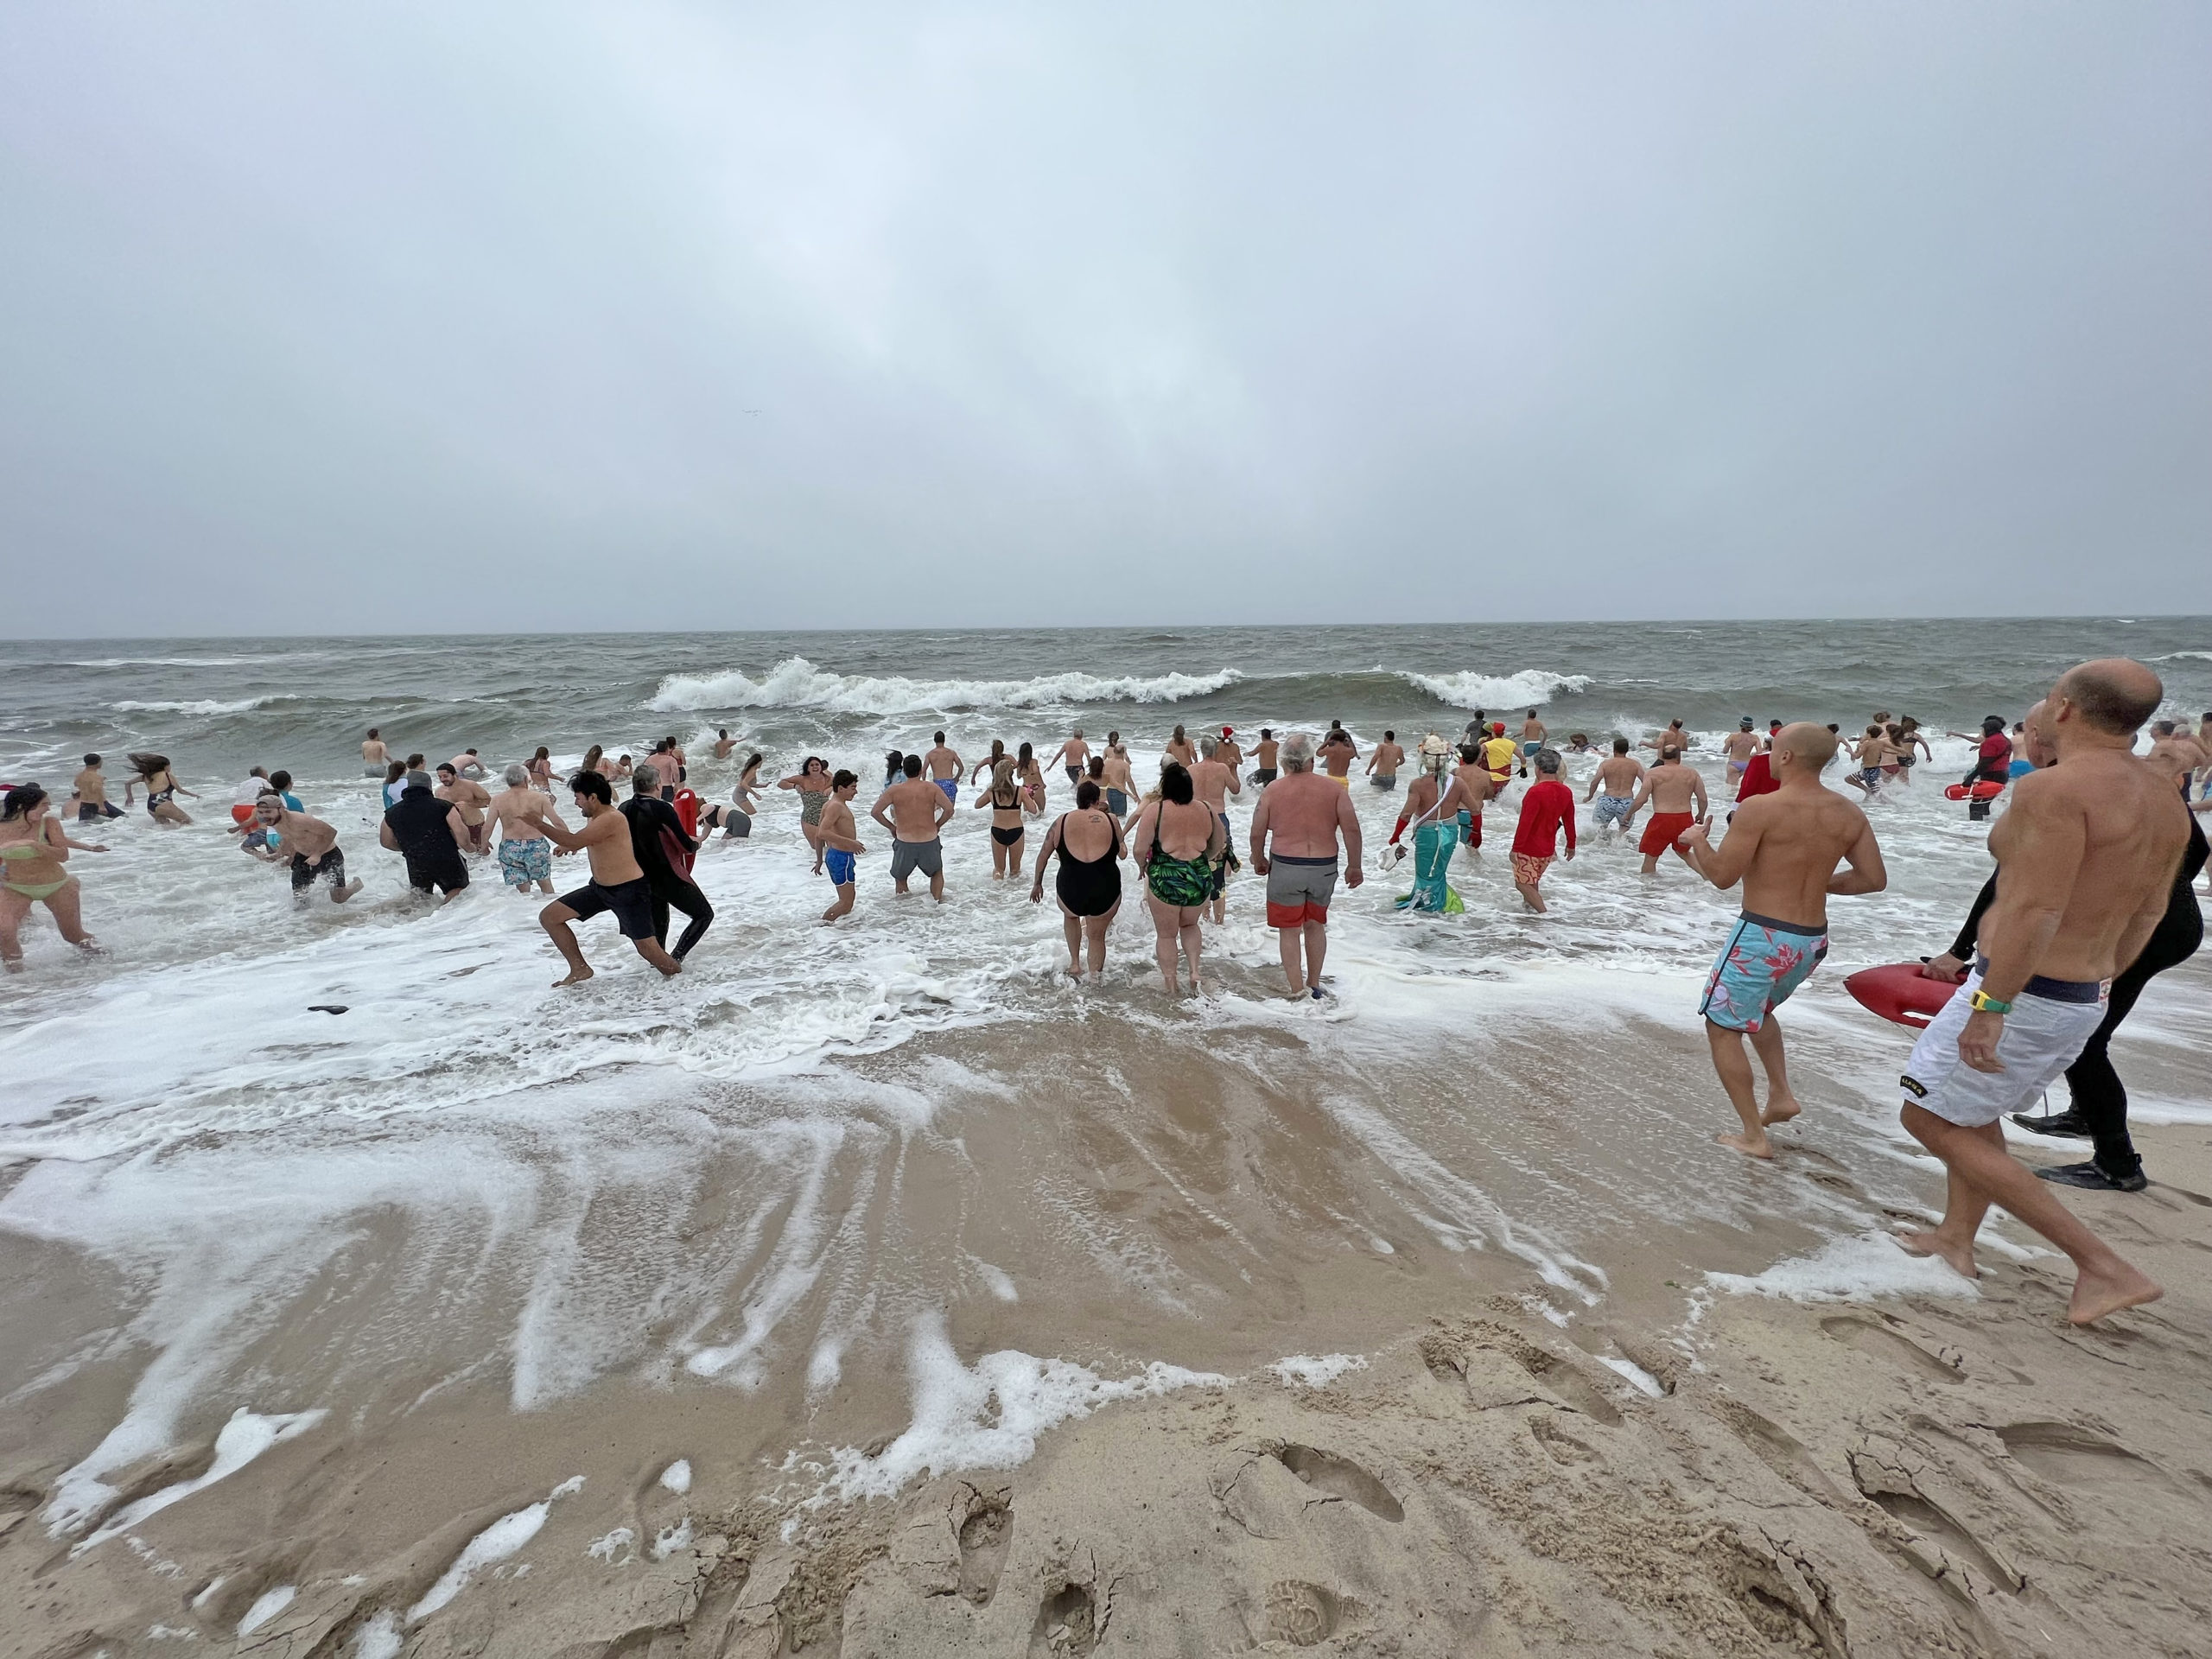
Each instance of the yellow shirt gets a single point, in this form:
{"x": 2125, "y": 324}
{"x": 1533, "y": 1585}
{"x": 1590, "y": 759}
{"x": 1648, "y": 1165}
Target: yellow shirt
{"x": 1498, "y": 752}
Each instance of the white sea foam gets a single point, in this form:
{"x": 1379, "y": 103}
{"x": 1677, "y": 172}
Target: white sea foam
{"x": 1643, "y": 1379}
{"x": 984, "y": 1416}
{"x": 1848, "y": 1270}
{"x": 612, "y": 1545}
{"x": 265, "y": 1607}
{"x": 1313, "y": 1371}
{"x": 380, "y": 1639}
{"x": 796, "y": 683}
{"x": 495, "y": 1543}
{"x": 194, "y": 706}
{"x": 1531, "y": 688}
{"x": 80, "y": 1492}
{"x": 677, "y": 1476}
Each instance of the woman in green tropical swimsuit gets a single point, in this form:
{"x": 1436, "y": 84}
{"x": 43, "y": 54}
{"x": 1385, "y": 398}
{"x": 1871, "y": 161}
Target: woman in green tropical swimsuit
{"x": 33, "y": 848}
{"x": 1177, "y": 841}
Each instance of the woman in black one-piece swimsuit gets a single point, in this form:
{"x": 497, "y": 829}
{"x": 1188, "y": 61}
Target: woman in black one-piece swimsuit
{"x": 1089, "y": 890}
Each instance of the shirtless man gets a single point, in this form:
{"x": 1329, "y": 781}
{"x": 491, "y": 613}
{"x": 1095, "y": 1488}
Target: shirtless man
{"x": 1382, "y": 764}
{"x": 1232, "y": 751}
{"x": 1114, "y": 777}
{"x": 944, "y": 767}
{"x": 1673, "y": 738}
{"x": 312, "y": 844}
{"x": 915, "y": 810}
{"x": 1477, "y": 786}
{"x": 468, "y": 764}
{"x": 1532, "y": 739}
{"x": 1213, "y": 781}
{"x": 91, "y": 785}
{"x": 1617, "y": 775}
{"x": 376, "y": 759}
{"x": 1072, "y": 754}
{"x": 2086, "y": 860}
{"x": 1739, "y": 746}
{"x": 1304, "y": 814}
{"x": 1866, "y": 759}
{"x": 1336, "y": 755}
{"x": 1264, "y": 771}
{"x": 2174, "y": 755}
{"x": 1784, "y": 847}
{"x": 1677, "y": 798}
{"x": 724, "y": 742}
{"x": 525, "y": 855}
{"x": 470, "y": 798}
{"x": 839, "y": 837}
{"x": 618, "y": 883}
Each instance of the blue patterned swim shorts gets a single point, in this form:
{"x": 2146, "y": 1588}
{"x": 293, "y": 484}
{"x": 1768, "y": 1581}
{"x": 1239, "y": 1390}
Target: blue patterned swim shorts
{"x": 522, "y": 862}
{"x": 1763, "y": 962}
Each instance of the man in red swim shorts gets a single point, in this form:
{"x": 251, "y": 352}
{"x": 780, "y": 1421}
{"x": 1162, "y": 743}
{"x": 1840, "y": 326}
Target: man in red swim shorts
{"x": 1676, "y": 796}
{"x": 1294, "y": 834}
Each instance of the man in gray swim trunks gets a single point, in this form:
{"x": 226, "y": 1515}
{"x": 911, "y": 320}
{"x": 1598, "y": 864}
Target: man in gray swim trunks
{"x": 914, "y": 809}
{"x": 1304, "y": 812}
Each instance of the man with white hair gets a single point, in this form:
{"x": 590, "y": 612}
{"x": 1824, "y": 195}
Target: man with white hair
{"x": 1303, "y": 813}
{"x": 524, "y": 854}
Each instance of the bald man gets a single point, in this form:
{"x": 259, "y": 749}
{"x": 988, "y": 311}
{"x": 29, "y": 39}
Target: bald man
{"x": 1784, "y": 847}
{"x": 2086, "y": 860}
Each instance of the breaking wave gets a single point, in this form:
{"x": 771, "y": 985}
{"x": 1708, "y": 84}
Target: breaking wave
{"x": 1467, "y": 690}
{"x": 796, "y": 683}
{"x": 199, "y": 706}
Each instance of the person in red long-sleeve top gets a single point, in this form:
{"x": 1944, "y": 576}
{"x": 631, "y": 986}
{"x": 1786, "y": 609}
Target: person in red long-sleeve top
{"x": 1548, "y": 806}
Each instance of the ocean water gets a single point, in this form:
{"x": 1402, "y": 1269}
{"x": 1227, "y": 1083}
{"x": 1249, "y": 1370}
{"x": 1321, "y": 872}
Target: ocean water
{"x": 816, "y": 1140}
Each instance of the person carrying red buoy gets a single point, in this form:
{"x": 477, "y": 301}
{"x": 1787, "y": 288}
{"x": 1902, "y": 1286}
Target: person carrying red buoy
{"x": 1992, "y": 766}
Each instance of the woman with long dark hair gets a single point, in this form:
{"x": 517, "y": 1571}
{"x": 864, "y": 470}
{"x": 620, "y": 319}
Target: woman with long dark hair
{"x": 1176, "y": 841}
{"x": 34, "y": 848}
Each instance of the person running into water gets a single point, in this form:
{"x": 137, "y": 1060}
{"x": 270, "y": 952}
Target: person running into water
{"x": 469, "y": 798}
{"x": 1382, "y": 764}
{"x": 1294, "y": 834}
{"x": 944, "y": 767}
{"x": 1784, "y": 847}
{"x": 989, "y": 766}
{"x": 1073, "y": 752}
{"x": 1114, "y": 778}
{"x": 1866, "y": 757}
{"x": 1032, "y": 782}
{"x": 525, "y": 855}
{"x": 1433, "y": 808}
{"x": 1532, "y": 740}
{"x": 1213, "y": 781}
{"x": 617, "y": 885}
{"x": 1177, "y": 840}
{"x": 736, "y": 820}
{"x": 840, "y": 844}
{"x": 429, "y": 833}
{"x": 723, "y": 743}
{"x": 375, "y": 756}
{"x": 34, "y": 847}
{"x": 155, "y": 778}
{"x": 540, "y": 768}
{"x": 1739, "y": 746}
{"x": 1264, "y": 752}
{"x": 1613, "y": 787}
{"x": 312, "y": 846}
{"x": 1336, "y": 755}
{"x": 1548, "y": 807}
{"x": 2174, "y": 755}
{"x": 1179, "y": 750}
{"x": 665, "y": 850}
{"x": 1232, "y": 752}
{"x": 1004, "y": 800}
{"x": 2086, "y": 862}
{"x": 1499, "y": 753}
{"x": 1088, "y": 884}
{"x": 1677, "y": 796}
{"x": 1673, "y": 738}
{"x": 90, "y": 788}
{"x": 915, "y": 811}
{"x": 813, "y": 781}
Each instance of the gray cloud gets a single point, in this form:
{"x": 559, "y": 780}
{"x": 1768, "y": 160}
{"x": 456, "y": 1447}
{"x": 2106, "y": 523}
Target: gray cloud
{"x": 653, "y": 316}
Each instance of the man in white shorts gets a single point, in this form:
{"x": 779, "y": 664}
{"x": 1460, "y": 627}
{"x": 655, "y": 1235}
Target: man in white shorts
{"x": 2086, "y": 860}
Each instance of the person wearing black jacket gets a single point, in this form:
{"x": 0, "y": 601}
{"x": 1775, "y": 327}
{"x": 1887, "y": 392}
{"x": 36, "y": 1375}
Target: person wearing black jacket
{"x": 657, "y": 837}
{"x": 429, "y": 834}
{"x": 2099, "y": 1110}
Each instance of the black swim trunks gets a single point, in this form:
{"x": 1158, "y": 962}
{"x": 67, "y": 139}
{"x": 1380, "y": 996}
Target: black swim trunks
{"x": 632, "y": 903}
{"x": 332, "y": 869}
{"x": 449, "y": 876}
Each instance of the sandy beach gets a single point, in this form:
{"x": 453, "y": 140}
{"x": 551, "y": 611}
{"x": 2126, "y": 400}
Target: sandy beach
{"x": 1282, "y": 1408}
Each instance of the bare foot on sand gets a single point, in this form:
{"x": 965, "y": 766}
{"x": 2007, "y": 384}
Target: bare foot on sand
{"x": 1780, "y": 1110}
{"x": 576, "y": 978}
{"x": 2098, "y": 1294}
{"x": 1924, "y": 1242}
{"x": 1744, "y": 1143}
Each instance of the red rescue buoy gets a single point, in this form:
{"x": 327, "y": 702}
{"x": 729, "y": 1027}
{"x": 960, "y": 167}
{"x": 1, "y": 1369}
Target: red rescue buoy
{"x": 687, "y": 811}
{"x": 1899, "y": 992}
{"x": 1984, "y": 790}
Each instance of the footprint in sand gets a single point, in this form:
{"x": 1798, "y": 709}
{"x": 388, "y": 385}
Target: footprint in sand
{"x": 2075, "y": 1457}
{"x": 1884, "y": 1342}
{"x": 1895, "y": 1491}
{"x": 1067, "y": 1622}
{"x": 985, "y": 1537}
{"x": 1302, "y": 1614}
{"x": 1780, "y": 1451}
{"x": 1340, "y": 1477}
{"x": 1570, "y": 1385}
{"x": 1557, "y": 1444}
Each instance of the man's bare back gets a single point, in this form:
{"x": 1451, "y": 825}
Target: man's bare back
{"x": 1304, "y": 812}
{"x": 1619, "y": 775}
{"x": 916, "y": 807}
{"x": 1671, "y": 786}
{"x": 1213, "y": 783}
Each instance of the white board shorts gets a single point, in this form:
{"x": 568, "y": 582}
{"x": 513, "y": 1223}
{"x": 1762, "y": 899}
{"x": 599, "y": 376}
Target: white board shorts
{"x": 2042, "y": 1036}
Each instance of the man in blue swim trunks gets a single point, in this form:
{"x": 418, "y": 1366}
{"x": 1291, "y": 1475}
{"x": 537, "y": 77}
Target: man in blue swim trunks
{"x": 942, "y": 764}
{"x": 1784, "y": 847}
{"x": 839, "y": 838}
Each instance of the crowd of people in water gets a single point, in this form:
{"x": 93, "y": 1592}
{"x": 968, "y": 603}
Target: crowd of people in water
{"x": 2094, "y": 894}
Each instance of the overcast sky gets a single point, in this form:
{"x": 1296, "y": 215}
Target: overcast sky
{"x": 437, "y": 318}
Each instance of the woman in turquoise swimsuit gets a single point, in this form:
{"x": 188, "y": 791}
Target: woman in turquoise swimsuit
{"x": 1177, "y": 841}
{"x": 33, "y": 848}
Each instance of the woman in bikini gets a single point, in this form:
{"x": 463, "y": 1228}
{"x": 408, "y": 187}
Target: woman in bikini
{"x": 1033, "y": 784}
{"x": 161, "y": 786}
{"x": 811, "y": 780}
{"x": 1004, "y": 801}
{"x": 1176, "y": 841}
{"x": 541, "y": 769}
{"x": 32, "y": 849}
{"x": 1088, "y": 885}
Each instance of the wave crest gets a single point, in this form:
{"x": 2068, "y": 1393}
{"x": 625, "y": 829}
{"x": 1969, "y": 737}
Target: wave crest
{"x": 199, "y": 706}
{"x": 796, "y": 683}
{"x": 1529, "y": 687}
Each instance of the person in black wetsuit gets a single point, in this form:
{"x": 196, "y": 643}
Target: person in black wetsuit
{"x": 654, "y": 830}
{"x": 428, "y": 832}
{"x": 2099, "y": 1110}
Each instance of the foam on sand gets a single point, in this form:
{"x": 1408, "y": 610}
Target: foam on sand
{"x": 1849, "y": 1270}
{"x": 246, "y": 1437}
{"x": 1310, "y": 1371}
{"x": 796, "y": 683}
{"x": 495, "y": 1543}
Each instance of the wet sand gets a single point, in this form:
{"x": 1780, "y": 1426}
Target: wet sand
{"x": 1118, "y": 1332}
